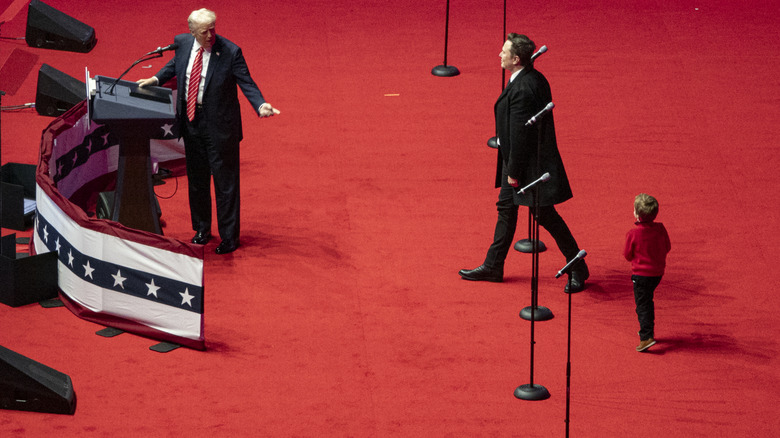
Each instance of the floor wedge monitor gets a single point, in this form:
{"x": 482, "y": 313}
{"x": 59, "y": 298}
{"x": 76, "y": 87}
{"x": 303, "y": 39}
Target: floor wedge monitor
{"x": 26, "y": 385}
{"x": 50, "y": 28}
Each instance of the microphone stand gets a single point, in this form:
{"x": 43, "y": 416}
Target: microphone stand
{"x": 146, "y": 57}
{"x": 525, "y": 245}
{"x": 2, "y": 93}
{"x": 568, "y": 363}
{"x": 533, "y": 391}
{"x": 530, "y": 313}
{"x": 534, "y": 312}
{"x": 493, "y": 141}
{"x": 446, "y": 70}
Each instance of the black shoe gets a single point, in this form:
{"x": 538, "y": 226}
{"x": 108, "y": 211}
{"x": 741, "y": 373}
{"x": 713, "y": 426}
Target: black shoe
{"x": 201, "y": 238}
{"x": 578, "y": 277}
{"x": 483, "y": 273}
{"x": 227, "y": 246}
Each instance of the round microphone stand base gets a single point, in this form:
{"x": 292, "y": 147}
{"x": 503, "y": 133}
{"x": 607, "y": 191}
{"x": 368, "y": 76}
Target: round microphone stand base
{"x": 540, "y": 313}
{"x": 493, "y": 142}
{"x": 445, "y": 71}
{"x": 527, "y": 246}
{"x": 532, "y": 392}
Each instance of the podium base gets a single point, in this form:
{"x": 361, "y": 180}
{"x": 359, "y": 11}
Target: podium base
{"x": 532, "y": 392}
{"x": 541, "y": 313}
{"x": 445, "y": 71}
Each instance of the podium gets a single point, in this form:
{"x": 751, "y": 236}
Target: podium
{"x": 135, "y": 114}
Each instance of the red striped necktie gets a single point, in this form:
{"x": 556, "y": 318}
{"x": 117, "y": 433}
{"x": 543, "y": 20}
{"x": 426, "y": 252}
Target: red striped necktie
{"x": 192, "y": 91}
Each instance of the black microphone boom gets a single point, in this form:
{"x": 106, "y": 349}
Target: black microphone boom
{"x": 173, "y": 46}
{"x": 580, "y": 255}
{"x": 542, "y": 178}
{"x": 540, "y": 114}
{"x": 151, "y": 55}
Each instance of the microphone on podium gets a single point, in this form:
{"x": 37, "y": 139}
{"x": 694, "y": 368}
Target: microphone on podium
{"x": 157, "y": 53}
{"x": 158, "y": 50}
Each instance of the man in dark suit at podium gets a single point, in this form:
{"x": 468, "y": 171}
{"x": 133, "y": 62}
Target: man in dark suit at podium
{"x": 210, "y": 122}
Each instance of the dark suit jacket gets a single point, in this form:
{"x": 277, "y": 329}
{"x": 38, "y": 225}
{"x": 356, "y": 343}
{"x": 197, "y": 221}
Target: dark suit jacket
{"x": 520, "y": 150}
{"x": 227, "y": 69}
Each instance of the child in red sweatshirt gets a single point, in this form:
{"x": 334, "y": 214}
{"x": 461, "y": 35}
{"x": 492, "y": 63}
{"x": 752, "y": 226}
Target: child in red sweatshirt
{"x": 646, "y": 247}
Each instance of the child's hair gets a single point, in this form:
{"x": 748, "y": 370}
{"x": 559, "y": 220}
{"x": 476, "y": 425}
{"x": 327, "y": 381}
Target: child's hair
{"x": 646, "y": 207}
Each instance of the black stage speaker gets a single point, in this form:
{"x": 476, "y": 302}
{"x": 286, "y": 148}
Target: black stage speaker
{"x": 51, "y": 29}
{"x": 57, "y": 92}
{"x": 26, "y": 385}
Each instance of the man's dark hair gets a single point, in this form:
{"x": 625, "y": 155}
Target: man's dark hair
{"x": 522, "y": 47}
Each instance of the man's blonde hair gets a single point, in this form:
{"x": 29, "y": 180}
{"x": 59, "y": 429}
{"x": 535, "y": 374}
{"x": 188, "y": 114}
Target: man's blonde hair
{"x": 201, "y": 17}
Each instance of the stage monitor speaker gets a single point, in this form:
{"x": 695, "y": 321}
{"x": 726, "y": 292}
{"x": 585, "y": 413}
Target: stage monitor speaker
{"x": 51, "y": 29}
{"x": 57, "y": 92}
{"x": 26, "y": 385}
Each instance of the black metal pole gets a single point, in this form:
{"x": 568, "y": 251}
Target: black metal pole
{"x": 568, "y": 365}
{"x": 493, "y": 141}
{"x": 535, "y": 312}
{"x": 2, "y": 93}
{"x": 532, "y": 391}
{"x": 446, "y": 70}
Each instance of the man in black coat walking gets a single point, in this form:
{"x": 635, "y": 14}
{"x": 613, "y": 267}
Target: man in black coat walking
{"x": 524, "y": 154}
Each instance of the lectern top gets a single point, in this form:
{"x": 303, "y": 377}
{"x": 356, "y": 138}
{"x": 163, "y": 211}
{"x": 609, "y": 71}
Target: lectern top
{"x": 122, "y": 100}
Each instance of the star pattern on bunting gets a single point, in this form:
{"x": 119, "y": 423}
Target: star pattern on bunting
{"x": 88, "y": 270}
{"x": 118, "y": 279}
{"x": 186, "y": 297}
{"x": 167, "y": 129}
{"x": 126, "y": 279}
{"x": 152, "y": 288}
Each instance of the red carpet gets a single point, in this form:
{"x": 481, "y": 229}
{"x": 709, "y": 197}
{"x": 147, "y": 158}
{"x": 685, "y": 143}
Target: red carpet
{"x": 343, "y": 314}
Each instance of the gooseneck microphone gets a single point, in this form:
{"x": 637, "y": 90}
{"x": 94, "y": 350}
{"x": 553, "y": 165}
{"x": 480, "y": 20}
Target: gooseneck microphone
{"x": 173, "y": 46}
{"x": 157, "y": 53}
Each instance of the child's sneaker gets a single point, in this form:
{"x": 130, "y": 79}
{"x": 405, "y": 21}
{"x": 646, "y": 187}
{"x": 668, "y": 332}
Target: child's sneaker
{"x": 644, "y": 345}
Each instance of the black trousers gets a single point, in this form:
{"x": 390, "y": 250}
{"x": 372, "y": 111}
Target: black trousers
{"x": 644, "y": 288}
{"x": 206, "y": 159}
{"x": 503, "y": 237}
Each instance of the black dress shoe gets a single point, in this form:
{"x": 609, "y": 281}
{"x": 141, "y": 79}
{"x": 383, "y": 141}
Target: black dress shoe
{"x": 483, "y": 273}
{"x": 578, "y": 277}
{"x": 227, "y": 246}
{"x": 201, "y": 238}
